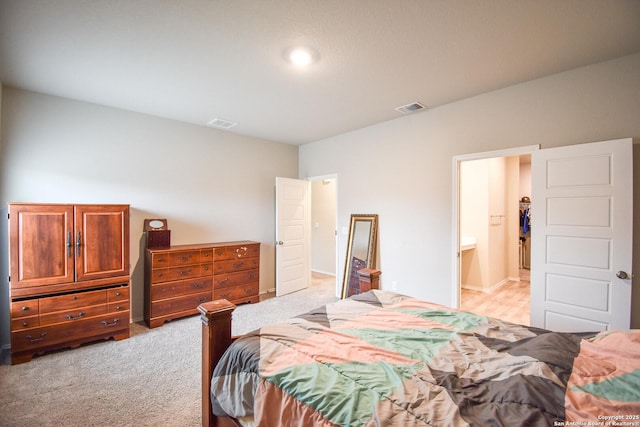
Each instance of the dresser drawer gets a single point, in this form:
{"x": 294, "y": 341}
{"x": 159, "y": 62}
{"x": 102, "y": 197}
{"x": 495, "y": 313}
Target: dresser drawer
{"x": 233, "y": 265}
{"x": 236, "y": 292}
{"x": 159, "y": 260}
{"x": 237, "y": 251}
{"x": 177, "y": 273}
{"x": 174, "y": 289}
{"x": 206, "y": 255}
{"x": 183, "y": 303}
{"x": 178, "y": 258}
{"x": 73, "y": 315}
{"x": 71, "y": 301}
{"x": 45, "y": 336}
{"x": 24, "y": 308}
{"x": 233, "y": 279}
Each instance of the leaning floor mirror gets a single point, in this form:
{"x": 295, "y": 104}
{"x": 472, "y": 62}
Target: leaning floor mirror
{"x": 361, "y": 251}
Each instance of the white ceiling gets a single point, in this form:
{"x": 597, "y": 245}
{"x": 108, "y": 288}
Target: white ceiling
{"x": 195, "y": 60}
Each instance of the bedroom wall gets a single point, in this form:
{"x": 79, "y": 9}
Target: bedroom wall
{"x": 210, "y": 185}
{"x": 404, "y": 169}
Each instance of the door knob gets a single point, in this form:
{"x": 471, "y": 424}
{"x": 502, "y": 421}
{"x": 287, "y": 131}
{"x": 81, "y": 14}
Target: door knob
{"x": 623, "y": 275}
{"x": 279, "y": 242}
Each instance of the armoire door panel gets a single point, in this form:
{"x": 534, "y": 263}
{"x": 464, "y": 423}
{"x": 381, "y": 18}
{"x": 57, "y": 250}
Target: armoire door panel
{"x": 102, "y": 241}
{"x": 41, "y": 249}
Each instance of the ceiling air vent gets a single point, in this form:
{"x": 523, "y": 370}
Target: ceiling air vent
{"x": 221, "y": 124}
{"x": 411, "y": 108}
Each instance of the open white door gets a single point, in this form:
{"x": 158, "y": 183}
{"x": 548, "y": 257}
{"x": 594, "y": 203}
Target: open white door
{"x": 293, "y": 235}
{"x": 581, "y": 218}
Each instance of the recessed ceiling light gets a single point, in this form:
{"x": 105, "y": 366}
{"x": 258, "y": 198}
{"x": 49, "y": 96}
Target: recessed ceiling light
{"x": 410, "y": 108}
{"x": 221, "y": 123}
{"x": 301, "y": 56}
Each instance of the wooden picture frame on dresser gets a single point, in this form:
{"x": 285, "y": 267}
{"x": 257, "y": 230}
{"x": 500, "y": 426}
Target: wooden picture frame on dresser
{"x": 69, "y": 276}
{"x": 180, "y": 278}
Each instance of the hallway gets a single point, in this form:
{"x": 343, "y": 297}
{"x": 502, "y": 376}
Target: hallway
{"x": 510, "y": 302}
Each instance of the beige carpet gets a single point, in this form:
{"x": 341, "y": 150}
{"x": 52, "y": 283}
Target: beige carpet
{"x": 150, "y": 379}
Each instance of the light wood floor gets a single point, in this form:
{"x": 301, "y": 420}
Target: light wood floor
{"x": 509, "y": 302}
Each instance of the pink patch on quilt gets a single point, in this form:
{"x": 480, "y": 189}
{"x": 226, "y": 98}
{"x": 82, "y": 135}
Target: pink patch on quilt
{"x": 330, "y": 346}
{"x": 391, "y": 320}
{"x": 610, "y": 354}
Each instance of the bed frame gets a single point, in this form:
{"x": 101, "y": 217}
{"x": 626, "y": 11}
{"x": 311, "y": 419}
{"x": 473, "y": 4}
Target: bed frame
{"x": 216, "y": 338}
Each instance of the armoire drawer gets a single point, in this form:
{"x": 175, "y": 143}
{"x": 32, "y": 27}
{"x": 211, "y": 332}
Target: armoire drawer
{"x": 118, "y": 294}
{"x": 24, "y": 322}
{"x": 25, "y": 308}
{"x": 72, "y": 301}
{"x": 45, "y": 336}
{"x": 72, "y": 315}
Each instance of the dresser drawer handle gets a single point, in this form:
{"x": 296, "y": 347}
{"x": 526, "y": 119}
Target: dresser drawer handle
{"x": 198, "y": 285}
{"x": 184, "y": 257}
{"x": 223, "y": 295}
{"x": 118, "y": 294}
{"x": 202, "y": 299}
{"x": 32, "y": 339}
{"x": 238, "y": 264}
{"x": 160, "y": 259}
{"x": 107, "y": 324}
{"x": 226, "y": 279}
{"x": 25, "y": 308}
{"x": 159, "y": 274}
{"x": 248, "y": 290}
{"x": 70, "y": 317}
{"x": 118, "y": 308}
{"x": 182, "y": 273}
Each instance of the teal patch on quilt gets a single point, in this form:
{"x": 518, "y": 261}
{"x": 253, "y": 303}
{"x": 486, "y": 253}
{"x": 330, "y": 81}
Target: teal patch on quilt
{"x": 623, "y": 388}
{"x": 417, "y": 344}
{"x": 344, "y": 393}
{"x": 460, "y": 320}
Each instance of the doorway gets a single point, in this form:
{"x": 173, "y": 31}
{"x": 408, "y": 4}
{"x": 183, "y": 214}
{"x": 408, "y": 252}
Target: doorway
{"x": 492, "y": 234}
{"x": 324, "y": 226}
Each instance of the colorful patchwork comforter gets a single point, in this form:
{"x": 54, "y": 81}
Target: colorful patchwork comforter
{"x": 384, "y": 359}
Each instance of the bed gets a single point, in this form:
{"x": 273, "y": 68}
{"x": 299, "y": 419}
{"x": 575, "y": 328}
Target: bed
{"x": 381, "y": 358}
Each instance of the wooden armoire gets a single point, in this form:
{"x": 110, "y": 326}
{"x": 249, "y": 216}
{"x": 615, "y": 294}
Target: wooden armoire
{"x": 69, "y": 276}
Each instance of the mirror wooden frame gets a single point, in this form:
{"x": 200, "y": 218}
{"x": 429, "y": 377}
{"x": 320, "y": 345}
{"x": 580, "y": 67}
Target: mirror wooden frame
{"x": 359, "y": 245}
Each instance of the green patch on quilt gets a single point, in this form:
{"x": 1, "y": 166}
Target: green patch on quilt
{"x": 417, "y": 344}
{"x": 460, "y": 320}
{"x": 623, "y": 388}
{"x": 343, "y": 393}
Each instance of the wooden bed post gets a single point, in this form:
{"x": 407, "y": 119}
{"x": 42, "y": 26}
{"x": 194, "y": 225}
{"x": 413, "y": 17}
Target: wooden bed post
{"x": 216, "y": 338}
{"x": 369, "y": 279}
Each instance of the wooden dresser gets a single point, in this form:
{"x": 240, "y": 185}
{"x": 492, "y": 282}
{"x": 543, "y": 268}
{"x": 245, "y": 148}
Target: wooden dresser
{"x": 181, "y": 277}
{"x": 69, "y": 276}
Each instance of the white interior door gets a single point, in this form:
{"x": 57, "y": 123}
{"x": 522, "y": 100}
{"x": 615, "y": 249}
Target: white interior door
{"x": 293, "y": 235}
{"x": 581, "y": 219}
